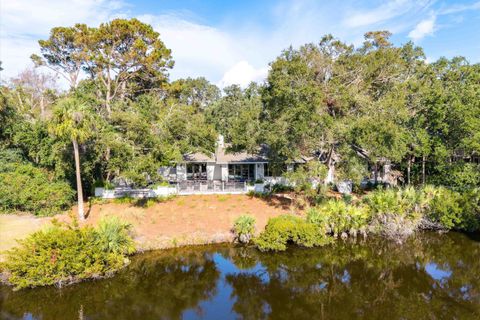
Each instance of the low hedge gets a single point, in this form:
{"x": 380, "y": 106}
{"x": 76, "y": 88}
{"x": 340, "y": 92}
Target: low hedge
{"x": 283, "y": 229}
{"x": 63, "y": 254}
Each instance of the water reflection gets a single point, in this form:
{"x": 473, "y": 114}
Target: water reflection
{"x": 430, "y": 276}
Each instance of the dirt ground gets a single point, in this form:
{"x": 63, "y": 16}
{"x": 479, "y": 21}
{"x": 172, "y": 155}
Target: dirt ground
{"x": 183, "y": 220}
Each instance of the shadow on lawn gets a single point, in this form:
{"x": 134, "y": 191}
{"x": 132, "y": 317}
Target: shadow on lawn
{"x": 277, "y": 201}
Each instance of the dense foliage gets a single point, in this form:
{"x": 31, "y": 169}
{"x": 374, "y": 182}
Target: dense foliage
{"x": 340, "y": 218}
{"x": 394, "y": 213}
{"x": 61, "y": 255}
{"x": 355, "y": 110}
{"x": 26, "y": 188}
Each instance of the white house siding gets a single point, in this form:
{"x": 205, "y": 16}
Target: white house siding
{"x": 224, "y": 171}
{"x": 259, "y": 171}
{"x": 217, "y": 173}
{"x": 210, "y": 171}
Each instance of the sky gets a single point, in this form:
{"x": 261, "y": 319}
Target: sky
{"x": 233, "y": 42}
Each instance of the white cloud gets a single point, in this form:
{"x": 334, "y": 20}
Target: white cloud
{"x": 198, "y": 50}
{"x": 24, "y": 22}
{"x": 230, "y": 52}
{"x": 384, "y": 12}
{"x": 460, "y": 8}
{"x": 242, "y": 73}
{"x": 423, "y": 28}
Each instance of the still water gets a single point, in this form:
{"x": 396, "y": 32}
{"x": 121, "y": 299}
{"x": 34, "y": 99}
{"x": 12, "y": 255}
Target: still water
{"x": 431, "y": 276}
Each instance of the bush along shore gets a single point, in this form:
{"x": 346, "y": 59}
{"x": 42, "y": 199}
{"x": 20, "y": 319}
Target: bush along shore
{"x": 66, "y": 253}
{"x": 392, "y": 213}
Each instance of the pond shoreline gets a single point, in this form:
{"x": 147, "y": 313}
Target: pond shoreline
{"x": 369, "y": 279}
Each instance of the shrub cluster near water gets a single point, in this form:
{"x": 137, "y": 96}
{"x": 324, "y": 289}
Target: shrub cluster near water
{"x": 244, "y": 228}
{"x": 64, "y": 254}
{"x": 281, "y": 230}
{"x": 393, "y": 213}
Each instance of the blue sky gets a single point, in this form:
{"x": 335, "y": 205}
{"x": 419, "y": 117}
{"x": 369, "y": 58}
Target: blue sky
{"x": 233, "y": 41}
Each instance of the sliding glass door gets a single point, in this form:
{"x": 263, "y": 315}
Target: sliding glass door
{"x": 196, "y": 171}
{"x": 241, "y": 172}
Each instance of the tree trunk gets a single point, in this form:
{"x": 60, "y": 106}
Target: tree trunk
{"x": 408, "y": 170}
{"x": 107, "y": 102}
{"x": 76, "y": 154}
{"x": 375, "y": 172}
{"x": 42, "y": 107}
{"x": 423, "y": 169}
{"x": 331, "y": 173}
{"x": 331, "y": 168}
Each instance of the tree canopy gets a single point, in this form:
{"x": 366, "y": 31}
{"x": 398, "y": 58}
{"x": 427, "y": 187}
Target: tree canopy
{"x": 350, "y": 108}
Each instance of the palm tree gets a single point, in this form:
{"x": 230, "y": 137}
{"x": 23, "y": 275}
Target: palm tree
{"x": 73, "y": 120}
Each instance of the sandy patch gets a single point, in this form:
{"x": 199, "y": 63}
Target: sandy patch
{"x": 13, "y": 227}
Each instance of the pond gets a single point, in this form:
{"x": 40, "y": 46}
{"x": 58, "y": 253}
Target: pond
{"x": 430, "y": 276}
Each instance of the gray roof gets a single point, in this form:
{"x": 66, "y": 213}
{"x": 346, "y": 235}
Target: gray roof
{"x": 198, "y": 157}
{"x": 224, "y": 156}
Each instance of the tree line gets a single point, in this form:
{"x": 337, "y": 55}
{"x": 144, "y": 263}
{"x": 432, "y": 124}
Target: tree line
{"x": 353, "y": 109}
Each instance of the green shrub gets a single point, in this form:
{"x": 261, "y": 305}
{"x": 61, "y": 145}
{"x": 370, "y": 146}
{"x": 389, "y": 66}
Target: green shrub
{"x": 66, "y": 254}
{"x": 277, "y": 188}
{"x": 124, "y": 199}
{"x": 244, "y": 228}
{"x": 162, "y": 183}
{"x": 458, "y": 175}
{"x": 400, "y": 202}
{"x": 445, "y": 209}
{"x": 26, "y": 188}
{"x": 113, "y": 236}
{"x": 281, "y": 230}
{"x": 471, "y": 210}
{"x": 396, "y": 213}
{"x": 455, "y": 210}
{"x": 107, "y": 185}
{"x": 340, "y": 218}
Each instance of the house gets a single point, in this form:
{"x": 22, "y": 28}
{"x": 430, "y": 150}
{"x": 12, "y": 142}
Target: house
{"x": 225, "y": 166}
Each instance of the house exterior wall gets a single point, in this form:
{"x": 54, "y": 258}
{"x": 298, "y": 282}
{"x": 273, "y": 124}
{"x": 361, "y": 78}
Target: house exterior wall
{"x": 259, "y": 171}
{"x": 210, "y": 171}
{"x": 224, "y": 172}
{"x": 217, "y": 172}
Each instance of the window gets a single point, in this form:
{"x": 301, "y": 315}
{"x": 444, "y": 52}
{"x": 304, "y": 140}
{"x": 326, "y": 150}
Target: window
{"x": 241, "y": 172}
{"x": 196, "y": 171}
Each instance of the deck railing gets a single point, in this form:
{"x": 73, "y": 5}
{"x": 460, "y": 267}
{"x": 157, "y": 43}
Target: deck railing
{"x": 211, "y": 186}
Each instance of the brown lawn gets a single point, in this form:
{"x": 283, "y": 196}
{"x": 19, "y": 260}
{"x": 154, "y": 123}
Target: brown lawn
{"x": 183, "y": 220}
{"x": 13, "y": 227}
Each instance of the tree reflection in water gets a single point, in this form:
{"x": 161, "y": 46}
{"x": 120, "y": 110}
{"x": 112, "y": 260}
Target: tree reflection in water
{"x": 430, "y": 276}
